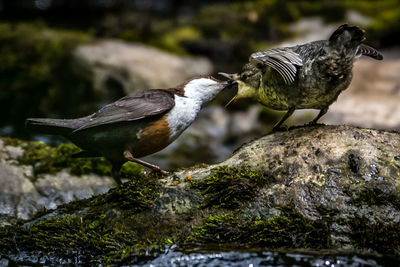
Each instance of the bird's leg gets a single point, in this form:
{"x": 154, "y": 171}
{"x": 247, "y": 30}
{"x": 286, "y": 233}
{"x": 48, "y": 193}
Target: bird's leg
{"x": 128, "y": 155}
{"x": 320, "y": 114}
{"x": 287, "y": 115}
{"x": 115, "y": 168}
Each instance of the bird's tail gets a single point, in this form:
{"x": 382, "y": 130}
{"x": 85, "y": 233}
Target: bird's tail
{"x": 346, "y": 33}
{"x": 53, "y": 126}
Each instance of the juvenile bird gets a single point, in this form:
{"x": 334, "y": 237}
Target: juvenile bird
{"x": 308, "y": 76}
{"x": 136, "y": 125}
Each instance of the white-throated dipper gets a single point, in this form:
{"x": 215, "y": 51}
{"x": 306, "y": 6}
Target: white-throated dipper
{"x": 136, "y": 125}
{"x": 308, "y": 76}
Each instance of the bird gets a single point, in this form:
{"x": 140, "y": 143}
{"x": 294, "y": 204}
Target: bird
{"x": 307, "y": 76}
{"x": 136, "y": 125}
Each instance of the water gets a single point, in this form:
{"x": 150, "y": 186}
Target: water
{"x": 267, "y": 258}
{"x": 242, "y": 258}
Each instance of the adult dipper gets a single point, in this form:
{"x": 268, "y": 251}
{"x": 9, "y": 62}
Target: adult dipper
{"x": 308, "y": 76}
{"x": 136, "y": 125}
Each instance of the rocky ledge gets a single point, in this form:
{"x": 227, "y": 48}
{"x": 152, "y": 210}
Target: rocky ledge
{"x": 321, "y": 187}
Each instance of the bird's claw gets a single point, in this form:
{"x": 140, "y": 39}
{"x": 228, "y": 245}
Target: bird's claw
{"x": 280, "y": 128}
{"x": 314, "y": 123}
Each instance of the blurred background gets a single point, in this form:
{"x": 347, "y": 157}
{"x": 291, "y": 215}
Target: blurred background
{"x": 67, "y": 58}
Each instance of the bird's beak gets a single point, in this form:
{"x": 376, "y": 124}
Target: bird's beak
{"x": 228, "y": 84}
{"x": 232, "y": 101}
{"x": 232, "y": 77}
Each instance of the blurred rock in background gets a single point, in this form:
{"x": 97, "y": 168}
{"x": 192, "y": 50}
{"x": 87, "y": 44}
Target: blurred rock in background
{"x": 117, "y": 68}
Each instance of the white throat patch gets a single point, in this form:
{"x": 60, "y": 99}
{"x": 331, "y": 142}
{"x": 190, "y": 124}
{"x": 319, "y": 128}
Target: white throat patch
{"x": 182, "y": 115}
{"x": 197, "y": 92}
{"x": 202, "y": 89}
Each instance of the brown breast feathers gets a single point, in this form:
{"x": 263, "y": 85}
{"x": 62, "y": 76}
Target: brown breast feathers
{"x": 153, "y": 138}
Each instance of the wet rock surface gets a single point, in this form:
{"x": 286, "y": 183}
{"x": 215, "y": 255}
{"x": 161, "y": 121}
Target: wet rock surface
{"x": 322, "y": 187}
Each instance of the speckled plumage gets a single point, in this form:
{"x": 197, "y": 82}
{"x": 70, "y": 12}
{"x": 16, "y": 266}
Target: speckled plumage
{"x": 308, "y": 76}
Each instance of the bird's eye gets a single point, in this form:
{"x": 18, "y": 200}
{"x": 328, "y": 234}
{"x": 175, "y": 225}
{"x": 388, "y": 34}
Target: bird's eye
{"x": 243, "y": 76}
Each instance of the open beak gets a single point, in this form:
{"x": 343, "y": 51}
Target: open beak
{"x": 231, "y": 81}
{"x": 232, "y": 77}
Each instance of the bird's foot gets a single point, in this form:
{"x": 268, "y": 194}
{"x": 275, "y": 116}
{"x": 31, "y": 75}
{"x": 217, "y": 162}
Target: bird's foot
{"x": 314, "y": 123}
{"x": 154, "y": 169}
{"x": 280, "y": 128}
{"x": 128, "y": 155}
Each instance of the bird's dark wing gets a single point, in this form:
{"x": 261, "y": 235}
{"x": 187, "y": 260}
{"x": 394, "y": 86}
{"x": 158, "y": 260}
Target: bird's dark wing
{"x": 369, "y": 51}
{"x": 283, "y": 60}
{"x": 133, "y": 107}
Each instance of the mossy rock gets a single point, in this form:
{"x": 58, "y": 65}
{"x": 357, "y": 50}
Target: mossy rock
{"x": 88, "y": 228}
{"x": 322, "y": 187}
{"x": 47, "y": 159}
{"x": 230, "y": 187}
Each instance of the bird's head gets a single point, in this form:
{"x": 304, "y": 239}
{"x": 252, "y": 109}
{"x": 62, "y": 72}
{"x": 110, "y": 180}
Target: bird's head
{"x": 203, "y": 89}
{"x": 248, "y": 81}
{"x": 346, "y": 35}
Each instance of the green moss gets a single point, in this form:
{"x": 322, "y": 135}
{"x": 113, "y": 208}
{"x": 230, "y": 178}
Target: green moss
{"x": 383, "y": 237}
{"x": 128, "y": 170}
{"x": 48, "y": 159}
{"x": 134, "y": 196}
{"x": 289, "y": 229}
{"x": 8, "y": 141}
{"x": 172, "y": 40}
{"x": 375, "y": 196}
{"x": 229, "y": 187}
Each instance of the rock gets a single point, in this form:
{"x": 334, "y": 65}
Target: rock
{"x": 308, "y": 30}
{"x": 321, "y": 187}
{"x": 118, "y": 67}
{"x": 23, "y": 193}
{"x": 245, "y": 122}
